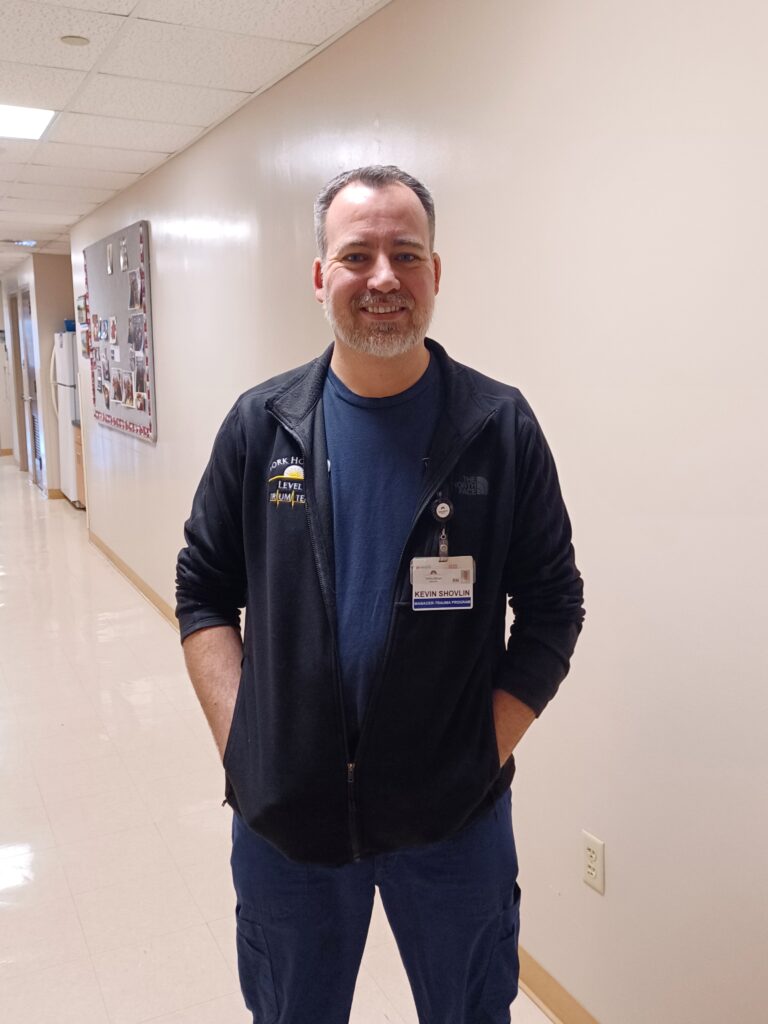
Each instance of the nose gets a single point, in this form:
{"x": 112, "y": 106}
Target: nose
{"x": 383, "y": 277}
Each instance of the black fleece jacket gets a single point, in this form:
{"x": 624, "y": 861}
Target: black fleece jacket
{"x": 260, "y": 536}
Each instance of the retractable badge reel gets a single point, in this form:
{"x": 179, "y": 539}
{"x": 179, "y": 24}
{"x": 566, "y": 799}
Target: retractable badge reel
{"x": 442, "y": 510}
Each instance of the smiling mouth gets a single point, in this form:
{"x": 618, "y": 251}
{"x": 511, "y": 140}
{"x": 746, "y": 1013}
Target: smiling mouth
{"x": 381, "y": 306}
{"x": 382, "y": 310}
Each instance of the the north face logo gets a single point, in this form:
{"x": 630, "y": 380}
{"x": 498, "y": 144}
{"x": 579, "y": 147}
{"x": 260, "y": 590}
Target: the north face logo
{"x": 474, "y": 486}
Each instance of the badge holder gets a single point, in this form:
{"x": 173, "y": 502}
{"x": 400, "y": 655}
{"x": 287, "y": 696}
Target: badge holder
{"x": 442, "y": 583}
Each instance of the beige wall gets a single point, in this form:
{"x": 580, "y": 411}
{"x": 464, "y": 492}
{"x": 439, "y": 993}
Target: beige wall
{"x": 49, "y": 280}
{"x": 599, "y": 170}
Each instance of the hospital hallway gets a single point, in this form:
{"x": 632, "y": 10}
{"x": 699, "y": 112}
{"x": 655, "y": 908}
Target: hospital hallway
{"x": 116, "y": 904}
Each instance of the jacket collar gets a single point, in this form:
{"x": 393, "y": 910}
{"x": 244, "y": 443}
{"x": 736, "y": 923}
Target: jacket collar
{"x": 464, "y": 408}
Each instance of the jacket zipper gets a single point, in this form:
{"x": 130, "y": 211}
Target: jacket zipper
{"x": 354, "y": 831}
{"x": 456, "y": 455}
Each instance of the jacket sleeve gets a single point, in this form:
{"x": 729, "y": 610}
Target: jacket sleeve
{"x": 543, "y": 584}
{"x": 210, "y": 571}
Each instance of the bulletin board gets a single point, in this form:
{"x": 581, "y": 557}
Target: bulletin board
{"x": 117, "y": 314}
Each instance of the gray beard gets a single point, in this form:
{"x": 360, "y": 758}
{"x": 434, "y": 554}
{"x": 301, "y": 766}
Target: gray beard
{"x": 384, "y": 340}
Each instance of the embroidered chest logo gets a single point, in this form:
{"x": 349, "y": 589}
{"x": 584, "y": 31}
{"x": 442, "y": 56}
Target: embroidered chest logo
{"x": 472, "y": 486}
{"x": 286, "y": 482}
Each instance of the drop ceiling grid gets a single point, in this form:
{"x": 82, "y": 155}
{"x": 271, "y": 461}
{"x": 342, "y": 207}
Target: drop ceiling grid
{"x": 15, "y": 151}
{"x": 67, "y": 208}
{"x": 156, "y": 75}
{"x": 32, "y": 34}
{"x": 122, "y": 7}
{"x": 31, "y": 85}
{"x": 43, "y": 221}
{"x": 121, "y": 133}
{"x": 99, "y": 157}
{"x": 120, "y": 96}
{"x": 191, "y": 56}
{"x": 43, "y": 232}
{"x": 292, "y": 20}
{"x": 64, "y": 193}
{"x": 89, "y": 177}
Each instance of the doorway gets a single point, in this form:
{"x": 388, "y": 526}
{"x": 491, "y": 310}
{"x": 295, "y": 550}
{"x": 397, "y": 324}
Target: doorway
{"x": 29, "y": 386}
{"x": 18, "y": 387}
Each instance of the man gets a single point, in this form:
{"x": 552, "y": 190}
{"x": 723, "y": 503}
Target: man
{"x": 373, "y": 510}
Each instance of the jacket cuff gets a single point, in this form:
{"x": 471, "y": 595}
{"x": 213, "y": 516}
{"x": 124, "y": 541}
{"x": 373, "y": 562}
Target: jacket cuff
{"x": 192, "y": 622}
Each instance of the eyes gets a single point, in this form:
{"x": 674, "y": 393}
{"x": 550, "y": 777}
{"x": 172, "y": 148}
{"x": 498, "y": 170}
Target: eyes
{"x": 357, "y": 258}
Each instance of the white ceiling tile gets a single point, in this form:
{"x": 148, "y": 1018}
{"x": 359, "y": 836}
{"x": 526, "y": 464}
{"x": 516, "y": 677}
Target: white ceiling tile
{"x": 172, "y": 53}
{"x": 56, "y": 248}
{"x": 27, "y": 85}
{"x": 116, "y": 96}
{"x": 119, "y": 133}
{"x": 48, "y": 221}
{"x": 9, "y": 172}
{"x": 16, "y": 151}
{"x": 62, "y": 193}
{"x": 23, "y": 228}
{"x": 305, "y": 21}
{"x": 105, "y": 6}
{"x": 59, "y": 175}
{"x": 45, "y": 206}
{"x": 96, "y": 157}
{"x": 32, "y": 34}
{"x": 9, "y": 229}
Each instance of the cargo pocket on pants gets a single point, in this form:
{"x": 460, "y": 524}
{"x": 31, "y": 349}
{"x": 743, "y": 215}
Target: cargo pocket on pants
{"x": 501, "y": 982}
{"x": 255, "y": 970}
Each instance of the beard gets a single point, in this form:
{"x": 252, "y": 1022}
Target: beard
{"x": 386, "y": 339}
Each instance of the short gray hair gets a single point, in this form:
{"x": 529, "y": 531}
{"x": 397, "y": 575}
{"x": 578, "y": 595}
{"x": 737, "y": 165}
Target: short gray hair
{"x": 375, "y": 176}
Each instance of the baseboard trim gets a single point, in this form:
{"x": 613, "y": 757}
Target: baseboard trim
{"x": 5, "y": 451}
{"x": 549, "y": 995}
{"x": 144, "y": 589}
{"x": 53, "y": 493}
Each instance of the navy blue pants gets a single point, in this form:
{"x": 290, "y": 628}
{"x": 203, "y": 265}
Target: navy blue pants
{"x": 453, "y": 907}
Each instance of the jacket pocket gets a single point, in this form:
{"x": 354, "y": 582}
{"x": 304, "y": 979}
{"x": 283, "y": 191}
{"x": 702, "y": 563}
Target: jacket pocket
{"x": 255, "y": 970}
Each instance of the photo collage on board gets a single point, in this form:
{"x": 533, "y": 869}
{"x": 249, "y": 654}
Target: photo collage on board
{"x": 119, "y": 339}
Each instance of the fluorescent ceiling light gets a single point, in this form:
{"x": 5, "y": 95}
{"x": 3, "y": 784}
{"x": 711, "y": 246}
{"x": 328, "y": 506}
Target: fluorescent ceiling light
{"x": 23, "y": 122}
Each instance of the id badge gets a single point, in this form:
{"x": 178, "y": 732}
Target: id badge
{"x": 442, "y": 585}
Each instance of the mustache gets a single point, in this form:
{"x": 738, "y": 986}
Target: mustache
{"x": 390, "y": 299}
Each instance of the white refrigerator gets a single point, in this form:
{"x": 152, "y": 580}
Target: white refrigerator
{"x": 66, "y": 403}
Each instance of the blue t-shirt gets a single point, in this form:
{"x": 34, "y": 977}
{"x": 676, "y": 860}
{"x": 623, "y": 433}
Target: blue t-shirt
{"x": 377, "y": 449}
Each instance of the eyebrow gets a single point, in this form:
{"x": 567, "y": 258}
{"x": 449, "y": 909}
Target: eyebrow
{"x": 361, "y": 243}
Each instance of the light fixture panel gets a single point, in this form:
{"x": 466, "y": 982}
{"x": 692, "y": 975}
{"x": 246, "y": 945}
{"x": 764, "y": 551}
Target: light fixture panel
{"x": 23, "y": 122}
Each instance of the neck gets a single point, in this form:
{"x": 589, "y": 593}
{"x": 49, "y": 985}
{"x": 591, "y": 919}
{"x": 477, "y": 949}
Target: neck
{"x": 378, "y": 376}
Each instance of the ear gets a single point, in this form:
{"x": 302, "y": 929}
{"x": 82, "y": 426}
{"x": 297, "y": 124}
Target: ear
{"x": 317, "y": 280}
{"x": 438, "y": 270}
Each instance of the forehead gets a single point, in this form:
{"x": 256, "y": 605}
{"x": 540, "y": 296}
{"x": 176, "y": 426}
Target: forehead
{"x": 394, "y": 209}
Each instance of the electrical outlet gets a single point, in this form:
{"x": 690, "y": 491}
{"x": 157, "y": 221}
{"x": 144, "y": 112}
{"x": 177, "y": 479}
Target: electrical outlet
{"x": 593, "y": 856}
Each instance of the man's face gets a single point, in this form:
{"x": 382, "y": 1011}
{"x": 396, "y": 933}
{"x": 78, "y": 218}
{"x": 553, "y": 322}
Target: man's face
{"x": 379, "y": 279}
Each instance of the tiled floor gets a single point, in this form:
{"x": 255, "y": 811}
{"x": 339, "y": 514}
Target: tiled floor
{"x": 115, "y": 898}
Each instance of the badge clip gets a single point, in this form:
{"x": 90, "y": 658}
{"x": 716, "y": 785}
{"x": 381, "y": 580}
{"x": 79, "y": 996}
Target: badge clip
{"x": 442, "y": 546}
